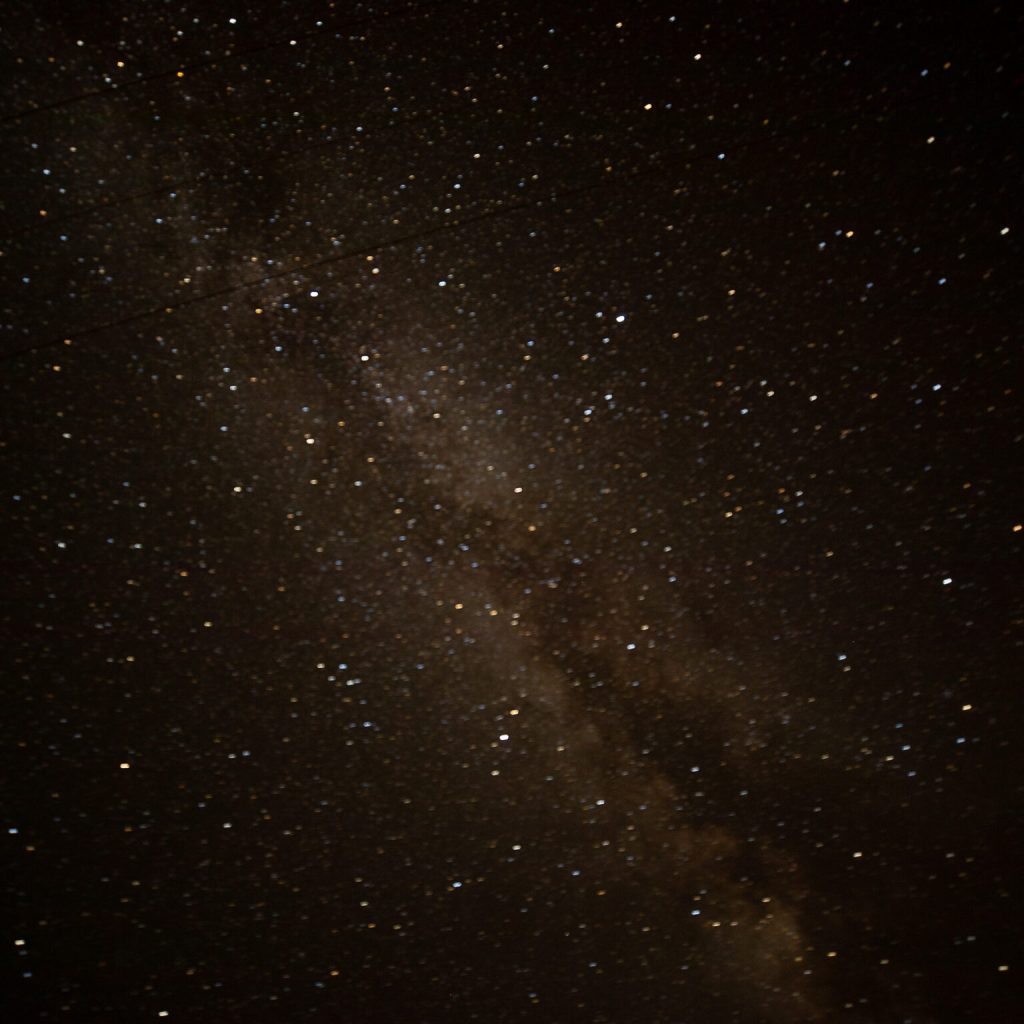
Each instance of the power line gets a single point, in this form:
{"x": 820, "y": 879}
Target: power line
{"x": 606, "y": 182}
{"x": 205, "y": 178}
{"x": 182, "y": 69}
{"x": 53, "y": 222}
{"x": 413, "y": 236}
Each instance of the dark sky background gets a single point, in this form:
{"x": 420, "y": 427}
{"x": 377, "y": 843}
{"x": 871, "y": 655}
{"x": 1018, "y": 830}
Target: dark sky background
{"x": 513, "y": 512}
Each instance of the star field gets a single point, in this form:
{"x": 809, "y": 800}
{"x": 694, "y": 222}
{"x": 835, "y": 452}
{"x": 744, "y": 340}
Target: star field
{"x": 513, "y": 513}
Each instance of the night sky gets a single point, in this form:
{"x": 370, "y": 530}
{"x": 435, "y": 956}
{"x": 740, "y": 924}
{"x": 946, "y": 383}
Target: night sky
{"x": 513, "y": 513}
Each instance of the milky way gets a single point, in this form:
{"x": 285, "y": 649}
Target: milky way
{"x": 513, "y": 514}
